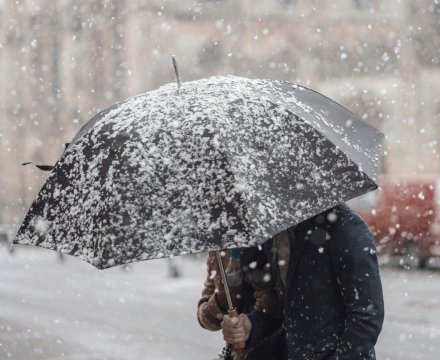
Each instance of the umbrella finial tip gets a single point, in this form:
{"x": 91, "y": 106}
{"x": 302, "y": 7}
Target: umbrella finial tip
{"x": 176, "y": 70}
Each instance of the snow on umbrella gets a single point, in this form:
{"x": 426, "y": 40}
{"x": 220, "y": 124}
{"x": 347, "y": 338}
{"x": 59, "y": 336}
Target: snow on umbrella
{"x": 222, "y": 162}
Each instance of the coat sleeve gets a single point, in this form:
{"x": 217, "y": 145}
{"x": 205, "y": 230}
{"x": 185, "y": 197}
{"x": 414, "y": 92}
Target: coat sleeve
{"x": 209, "y": 312}
{"x": 353, "y": 255}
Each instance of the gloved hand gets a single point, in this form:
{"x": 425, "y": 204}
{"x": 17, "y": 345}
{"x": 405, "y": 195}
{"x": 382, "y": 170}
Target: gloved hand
{"x": 236, "y": 329}
{"x": 266, "y": 302}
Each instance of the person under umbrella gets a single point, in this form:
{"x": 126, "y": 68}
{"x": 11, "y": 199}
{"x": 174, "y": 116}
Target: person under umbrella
{"x": 326, "y": 274}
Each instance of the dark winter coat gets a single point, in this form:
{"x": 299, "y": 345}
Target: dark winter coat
{"x": 332, "y": 304}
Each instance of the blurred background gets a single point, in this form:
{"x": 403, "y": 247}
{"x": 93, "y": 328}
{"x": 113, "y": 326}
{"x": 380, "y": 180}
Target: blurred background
{"x": 63, "y": 61}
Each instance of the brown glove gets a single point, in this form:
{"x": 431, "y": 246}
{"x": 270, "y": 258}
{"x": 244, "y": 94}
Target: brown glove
{"x": 265, "y": 302}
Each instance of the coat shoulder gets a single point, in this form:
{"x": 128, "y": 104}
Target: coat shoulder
{"x": 347, "y": 227}
{"x": 339, "y": 222}
{"x": 338, "y": 216}
{"x": 347, "y": 217}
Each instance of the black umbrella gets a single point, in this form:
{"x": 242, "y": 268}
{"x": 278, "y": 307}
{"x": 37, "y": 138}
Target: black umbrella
{"x": 222, "y": 162}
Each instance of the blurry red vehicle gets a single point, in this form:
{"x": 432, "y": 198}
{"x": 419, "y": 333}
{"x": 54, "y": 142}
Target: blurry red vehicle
{"x": 404, "y": 216}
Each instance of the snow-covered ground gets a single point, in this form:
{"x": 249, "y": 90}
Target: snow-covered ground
{"x": 52, "y": 309}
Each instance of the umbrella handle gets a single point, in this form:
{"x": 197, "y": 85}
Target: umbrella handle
{"x": 234, "y": 314}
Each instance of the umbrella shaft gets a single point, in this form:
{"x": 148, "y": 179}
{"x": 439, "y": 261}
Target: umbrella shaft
{"x": 225, "y": 283}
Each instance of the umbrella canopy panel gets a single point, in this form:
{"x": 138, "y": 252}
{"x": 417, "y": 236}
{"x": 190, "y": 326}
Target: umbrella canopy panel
{"x": 224, "y": 162}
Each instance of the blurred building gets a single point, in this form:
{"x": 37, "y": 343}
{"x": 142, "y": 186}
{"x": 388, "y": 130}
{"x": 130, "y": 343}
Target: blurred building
{"x": 61, "y": 62}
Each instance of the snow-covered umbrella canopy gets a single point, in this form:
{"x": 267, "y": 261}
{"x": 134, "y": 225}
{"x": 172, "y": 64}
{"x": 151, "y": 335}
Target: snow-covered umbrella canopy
{"x": 223, "y": 162}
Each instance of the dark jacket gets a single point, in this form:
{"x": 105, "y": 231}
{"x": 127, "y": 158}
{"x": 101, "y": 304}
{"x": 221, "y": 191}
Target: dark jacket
{"x": 332, "y": 306}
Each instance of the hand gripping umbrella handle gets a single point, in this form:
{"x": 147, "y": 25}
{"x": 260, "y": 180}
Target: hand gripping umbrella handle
{"x": 232, "y": 313}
